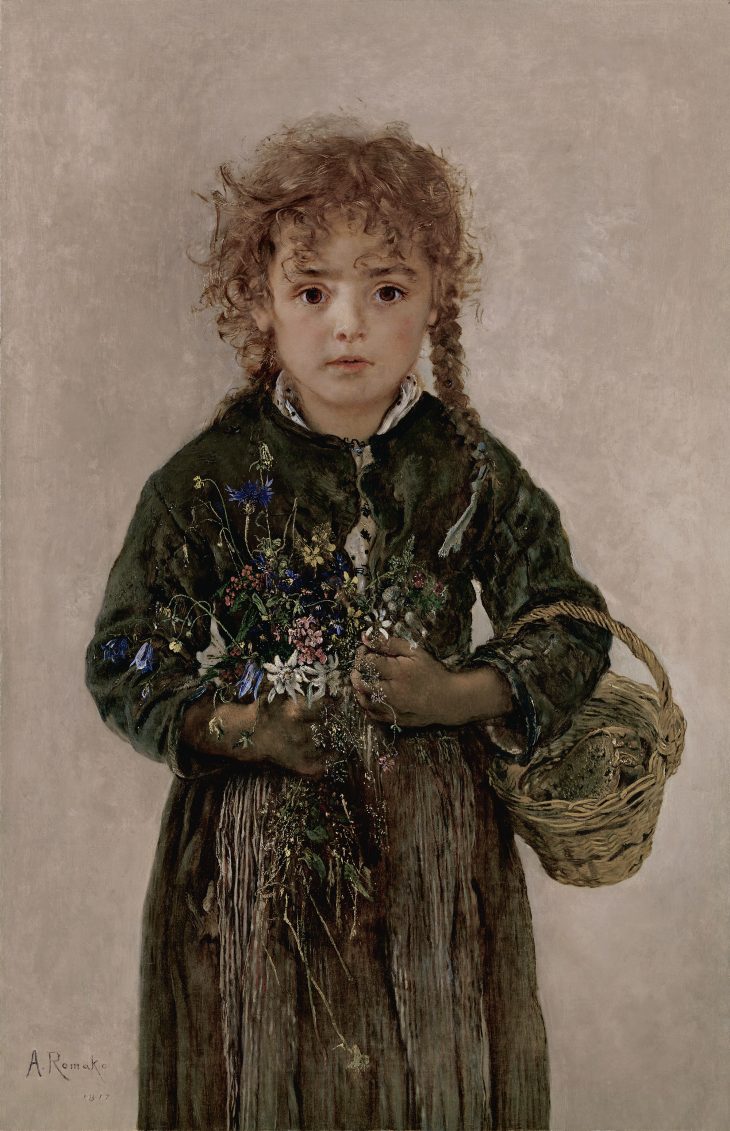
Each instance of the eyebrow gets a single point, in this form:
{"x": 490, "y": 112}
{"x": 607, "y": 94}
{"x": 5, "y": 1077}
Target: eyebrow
{"x": 372, "y": 273}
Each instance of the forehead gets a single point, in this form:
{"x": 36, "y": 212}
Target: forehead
{"x": 343, "y": 245}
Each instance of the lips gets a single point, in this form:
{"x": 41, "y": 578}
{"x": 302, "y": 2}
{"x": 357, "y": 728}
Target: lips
{"x": 349, "y": 361}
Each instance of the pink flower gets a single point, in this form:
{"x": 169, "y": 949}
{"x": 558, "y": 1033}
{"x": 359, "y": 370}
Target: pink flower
{"x": 306, "y": 636}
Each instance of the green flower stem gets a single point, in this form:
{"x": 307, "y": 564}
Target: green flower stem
{"x": 311, "y": 980}
{"x": 343, "y": 964}
{"x": 225, "y": 525}
{"x": 207, "y": 610}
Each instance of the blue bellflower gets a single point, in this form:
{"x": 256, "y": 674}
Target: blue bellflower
{"x": 115, "y": 650}
{"x": 250, "y": 681}
{"x": 144, "y": 661}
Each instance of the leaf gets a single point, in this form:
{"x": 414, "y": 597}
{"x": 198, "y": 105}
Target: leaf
{"x": 315, "y": 862}
{"x": 352, "y": 876}
{"x": 260, "y": 606}
{"x": 317, "y": 835}
{"x": 247, "y": 622}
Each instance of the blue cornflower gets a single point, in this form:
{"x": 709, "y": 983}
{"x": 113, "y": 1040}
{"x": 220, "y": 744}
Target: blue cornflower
{"x": 116, "y": 649}
{"x": 246, "y": 496}
{"x": 250, "y": 681}
{"x": 266, "y": 493}
{"x": 144, "y": 661}
{"x": 336, "y": 628}
{"x": 251, "y": 494}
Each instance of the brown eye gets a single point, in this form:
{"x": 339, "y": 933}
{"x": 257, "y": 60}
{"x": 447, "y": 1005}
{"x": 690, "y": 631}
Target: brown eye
{"x": 389, "y": 293}
{"x": 313, "y": 296}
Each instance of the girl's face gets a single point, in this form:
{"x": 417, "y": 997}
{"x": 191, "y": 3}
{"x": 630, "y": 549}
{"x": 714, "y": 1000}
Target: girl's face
{"x": 348, "y": 318}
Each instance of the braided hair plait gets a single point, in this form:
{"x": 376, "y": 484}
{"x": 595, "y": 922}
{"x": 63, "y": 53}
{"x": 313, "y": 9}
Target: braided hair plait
{"x": 448, "y": 366}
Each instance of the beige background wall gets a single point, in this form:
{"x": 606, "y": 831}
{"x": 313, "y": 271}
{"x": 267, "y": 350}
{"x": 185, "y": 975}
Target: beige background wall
{"x": 596, "y": 138}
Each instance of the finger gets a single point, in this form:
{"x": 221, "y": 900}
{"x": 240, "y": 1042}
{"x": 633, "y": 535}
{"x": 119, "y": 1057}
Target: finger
{"x": 358, "y": 682}
{"x": 393, "y": 646}
{"x": 370, "y": 695}
{"x": 363, "y": 656}
{"x": 377, "y": 707}
{"x": 372, "y": 668}
{"x": 389, "y": 668}
{"x": 377, "y": 712}
{"x": 363, "y": 700}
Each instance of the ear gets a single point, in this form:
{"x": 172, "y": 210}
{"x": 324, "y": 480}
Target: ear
{"x": 433, "y": 317}
{"x": 262, "y": 316}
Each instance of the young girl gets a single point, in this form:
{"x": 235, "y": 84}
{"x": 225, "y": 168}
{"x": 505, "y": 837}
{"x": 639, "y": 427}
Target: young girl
{"x": 336, "y": 252}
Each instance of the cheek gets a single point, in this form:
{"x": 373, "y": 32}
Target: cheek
{"x": 295, "y": 328}
{"x": 302, "y": 321}
{"x": 410, "y": 331}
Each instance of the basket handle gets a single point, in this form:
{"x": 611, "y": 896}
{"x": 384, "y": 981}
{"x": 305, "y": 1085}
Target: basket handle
{"x": 636, "y": 645}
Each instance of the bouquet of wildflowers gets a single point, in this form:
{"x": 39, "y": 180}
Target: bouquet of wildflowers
{"x": 299, "y": 612}
{"x": 299, "y": 608}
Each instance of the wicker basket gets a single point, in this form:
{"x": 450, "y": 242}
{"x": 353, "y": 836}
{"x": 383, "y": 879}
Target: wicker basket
{"x": 596, "y": 841}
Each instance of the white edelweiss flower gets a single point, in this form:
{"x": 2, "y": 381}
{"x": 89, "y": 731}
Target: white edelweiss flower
{"x": 379, "y": 620}
{"x": 286, "y": 677}
{"x": 324, "y": 678}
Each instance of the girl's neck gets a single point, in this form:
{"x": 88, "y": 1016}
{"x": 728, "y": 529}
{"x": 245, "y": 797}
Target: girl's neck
{"x": 347, "y": 422}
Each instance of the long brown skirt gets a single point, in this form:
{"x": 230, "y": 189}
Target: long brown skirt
{"x": 428, "y": 1016}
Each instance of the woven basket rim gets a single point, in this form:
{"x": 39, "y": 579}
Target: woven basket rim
{"x": 591, "y": 841}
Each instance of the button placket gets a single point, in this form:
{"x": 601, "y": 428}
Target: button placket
{"x": 359, "y": 540}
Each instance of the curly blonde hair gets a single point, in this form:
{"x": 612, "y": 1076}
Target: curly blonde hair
{"x": 301, "y": 176}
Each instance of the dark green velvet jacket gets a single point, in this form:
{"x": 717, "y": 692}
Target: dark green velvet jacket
{"x": 417, "y": 486}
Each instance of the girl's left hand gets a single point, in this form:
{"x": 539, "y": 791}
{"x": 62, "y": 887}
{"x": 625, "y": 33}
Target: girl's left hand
{"x": 403, "y": 684}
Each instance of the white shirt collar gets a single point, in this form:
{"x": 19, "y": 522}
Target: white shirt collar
{"x": 409, "y": 392}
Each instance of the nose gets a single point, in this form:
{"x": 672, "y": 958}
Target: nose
{"x": 348, "y": 319}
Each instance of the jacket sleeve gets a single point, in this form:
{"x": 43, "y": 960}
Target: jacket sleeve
{"x": 140, "y": 673}
{"x": 524, "y": 561}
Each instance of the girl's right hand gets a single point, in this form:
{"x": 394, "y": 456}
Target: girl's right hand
{"x": 283, "y": 735}
{"x": 279, "y": 732}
